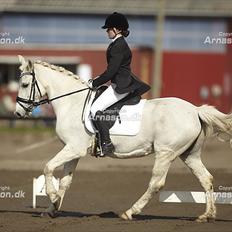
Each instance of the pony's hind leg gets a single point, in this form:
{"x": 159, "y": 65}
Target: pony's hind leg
{"x": 193, "y": 160}
{"x": 163, "y": 160}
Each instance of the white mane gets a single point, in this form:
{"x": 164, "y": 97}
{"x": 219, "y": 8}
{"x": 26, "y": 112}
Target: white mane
{"x": 59, "y": 69}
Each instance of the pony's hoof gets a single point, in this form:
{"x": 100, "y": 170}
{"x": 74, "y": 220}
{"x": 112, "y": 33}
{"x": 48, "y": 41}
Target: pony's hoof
{"x": 126, "y": 217}
{"x": 203, "y": 219}
{"x": 50, "y": 212}
{"x": 57, "y": 203}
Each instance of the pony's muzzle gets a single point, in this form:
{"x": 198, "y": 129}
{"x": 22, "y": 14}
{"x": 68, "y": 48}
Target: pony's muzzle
{"x": 17, "y": 114}
{"x": 20, "y": 112}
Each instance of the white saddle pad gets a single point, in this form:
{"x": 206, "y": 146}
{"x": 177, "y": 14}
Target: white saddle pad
{"x": 130, "y": 116}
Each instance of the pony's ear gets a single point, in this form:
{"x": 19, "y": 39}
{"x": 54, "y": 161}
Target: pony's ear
{"x": 23, "y": 62}
{"x": 21, "y": 59}
{"x": 30, "y": 65}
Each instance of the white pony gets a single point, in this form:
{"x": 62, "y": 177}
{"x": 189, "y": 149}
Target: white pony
{"x": 170, "y": 128}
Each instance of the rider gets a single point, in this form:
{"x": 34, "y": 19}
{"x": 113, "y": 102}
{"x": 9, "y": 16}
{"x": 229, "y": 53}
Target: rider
{"x": 118, "y": 71}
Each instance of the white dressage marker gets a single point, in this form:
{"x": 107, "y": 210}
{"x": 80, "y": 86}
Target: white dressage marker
{"x": 194, "y": 197}
{"x": 39, "y": 187}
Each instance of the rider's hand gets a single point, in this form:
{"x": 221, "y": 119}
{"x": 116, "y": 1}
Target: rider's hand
{"x": 90, "y": 83}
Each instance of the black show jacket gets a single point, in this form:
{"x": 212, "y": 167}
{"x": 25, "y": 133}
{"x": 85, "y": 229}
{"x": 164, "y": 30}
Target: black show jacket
{"x": 118, "y": 70}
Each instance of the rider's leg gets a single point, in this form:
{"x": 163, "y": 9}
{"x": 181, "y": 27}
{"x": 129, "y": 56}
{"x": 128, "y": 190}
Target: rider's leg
{"x": 106, "y": 99}
{"x": 102, "y": 126}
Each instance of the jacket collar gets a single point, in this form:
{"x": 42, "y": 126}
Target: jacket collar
{"x": 116, "y": 37}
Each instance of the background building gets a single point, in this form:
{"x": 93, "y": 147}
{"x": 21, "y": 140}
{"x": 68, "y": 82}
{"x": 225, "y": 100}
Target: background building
{"x": 197, "y": 52}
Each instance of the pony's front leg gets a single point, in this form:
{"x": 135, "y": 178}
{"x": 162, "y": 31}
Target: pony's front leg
{"x": 66, "y": 181}
{"x": 65, "y": 155}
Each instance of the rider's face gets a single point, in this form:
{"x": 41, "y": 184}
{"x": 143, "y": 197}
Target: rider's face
{"x": 112, "y": 32}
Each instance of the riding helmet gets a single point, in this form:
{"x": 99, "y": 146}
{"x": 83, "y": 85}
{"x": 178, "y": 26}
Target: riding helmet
{"x": 116, "y": 20}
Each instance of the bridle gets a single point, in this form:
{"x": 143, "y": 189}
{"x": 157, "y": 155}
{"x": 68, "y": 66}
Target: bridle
{"x": 31, "y": 102}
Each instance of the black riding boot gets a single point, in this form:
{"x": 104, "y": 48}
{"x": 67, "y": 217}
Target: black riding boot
{"x": 102, "y": 126}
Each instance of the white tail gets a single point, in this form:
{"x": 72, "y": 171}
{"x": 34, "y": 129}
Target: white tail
{"x": 216, "y": 122}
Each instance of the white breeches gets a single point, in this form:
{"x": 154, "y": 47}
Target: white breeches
{"x": 106, "y": 99}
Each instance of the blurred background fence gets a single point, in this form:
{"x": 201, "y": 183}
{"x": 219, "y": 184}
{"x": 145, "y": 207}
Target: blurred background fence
{"x": 192, "y": 39}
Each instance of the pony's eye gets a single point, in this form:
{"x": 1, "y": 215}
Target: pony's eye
{"x": 25, "y": 85}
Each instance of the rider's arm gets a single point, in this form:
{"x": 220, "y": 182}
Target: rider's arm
{"x": 116, "y": 58}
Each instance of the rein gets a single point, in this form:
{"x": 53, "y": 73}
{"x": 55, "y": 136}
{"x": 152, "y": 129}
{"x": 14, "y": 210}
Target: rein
{"x": 44, "y": 101}
{"x": 31, "y": 101}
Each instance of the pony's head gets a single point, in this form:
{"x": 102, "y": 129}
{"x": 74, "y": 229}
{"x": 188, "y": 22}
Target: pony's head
{"x": 30, "y": 90}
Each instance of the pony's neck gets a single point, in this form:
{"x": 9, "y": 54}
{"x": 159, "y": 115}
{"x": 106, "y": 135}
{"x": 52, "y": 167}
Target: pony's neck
{"x": 58, "y": 83}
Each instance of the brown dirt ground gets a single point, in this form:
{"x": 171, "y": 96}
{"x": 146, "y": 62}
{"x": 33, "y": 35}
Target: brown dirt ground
{"x": 96, "y": 198}
{"x": 103, "y": 188}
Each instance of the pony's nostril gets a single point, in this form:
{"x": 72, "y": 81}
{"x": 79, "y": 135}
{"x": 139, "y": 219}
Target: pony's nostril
{"x": 18, "y": 114}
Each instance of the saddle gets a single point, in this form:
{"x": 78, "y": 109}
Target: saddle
{"x": 112, "y": 112}
{"x": 123, "y": 118}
